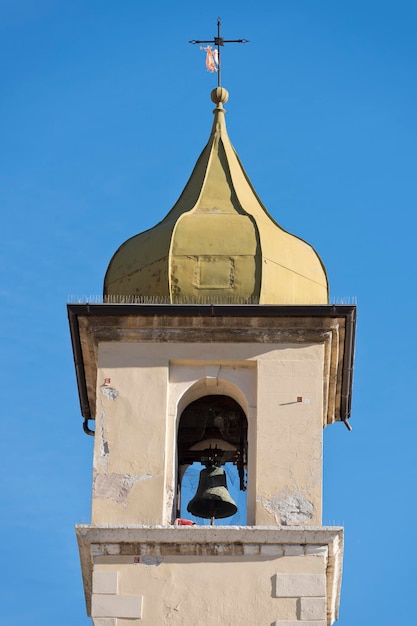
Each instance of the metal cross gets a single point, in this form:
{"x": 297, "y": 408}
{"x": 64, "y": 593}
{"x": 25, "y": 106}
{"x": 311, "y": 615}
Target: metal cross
{"x": 219, "y": 42}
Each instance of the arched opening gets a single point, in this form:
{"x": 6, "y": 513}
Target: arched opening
{"x": 212, "y": 461}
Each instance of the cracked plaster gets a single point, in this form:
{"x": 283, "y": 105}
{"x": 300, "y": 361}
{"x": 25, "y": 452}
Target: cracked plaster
{"x": 289, "y": 508}
{"x": 115, "y": 487}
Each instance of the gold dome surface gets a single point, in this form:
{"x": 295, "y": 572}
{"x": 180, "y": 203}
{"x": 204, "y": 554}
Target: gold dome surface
{"x": 218, "y": 243}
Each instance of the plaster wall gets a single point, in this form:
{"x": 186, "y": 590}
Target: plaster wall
{"x": 207, "y": 590}
{"x": 142, "y": 388}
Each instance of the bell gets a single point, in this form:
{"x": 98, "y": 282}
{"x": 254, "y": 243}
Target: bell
{"x": 212, "y": 499}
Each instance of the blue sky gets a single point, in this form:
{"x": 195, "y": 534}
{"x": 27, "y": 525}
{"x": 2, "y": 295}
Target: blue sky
{"x": 104, "y": 109}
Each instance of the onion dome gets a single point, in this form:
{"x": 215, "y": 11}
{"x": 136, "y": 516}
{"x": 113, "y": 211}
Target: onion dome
{"x": 218, "y": 244}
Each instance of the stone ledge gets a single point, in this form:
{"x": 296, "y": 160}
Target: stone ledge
{"x": 291, "y": 535}
{"x": 200, "y": 541}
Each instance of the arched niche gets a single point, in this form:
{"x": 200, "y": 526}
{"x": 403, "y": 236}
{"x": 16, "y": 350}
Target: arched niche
{"x": 212, "y": 431}
{"x": 215, "y": 382}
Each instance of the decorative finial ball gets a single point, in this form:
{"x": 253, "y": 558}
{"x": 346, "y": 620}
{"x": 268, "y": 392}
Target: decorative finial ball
{"x": 220, "y": 95}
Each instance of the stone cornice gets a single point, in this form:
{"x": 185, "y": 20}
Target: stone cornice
{"x": 154, "y": 543}
{"x": 333, "y": 326}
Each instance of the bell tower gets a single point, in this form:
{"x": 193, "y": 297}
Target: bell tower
{"x": 215, "y": 348}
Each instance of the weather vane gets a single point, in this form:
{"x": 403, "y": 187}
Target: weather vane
{"x": 213, "y": 54}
